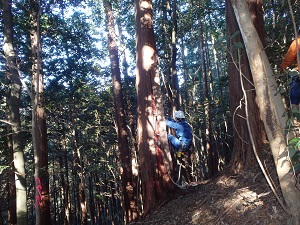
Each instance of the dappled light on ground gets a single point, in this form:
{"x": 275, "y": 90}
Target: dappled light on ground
{"x": 243, "y": 198}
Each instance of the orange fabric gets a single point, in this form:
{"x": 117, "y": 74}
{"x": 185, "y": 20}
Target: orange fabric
{"x": 290, "y": 57}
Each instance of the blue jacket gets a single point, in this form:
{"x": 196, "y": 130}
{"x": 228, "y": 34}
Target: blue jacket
{"x": 183, "y": 131}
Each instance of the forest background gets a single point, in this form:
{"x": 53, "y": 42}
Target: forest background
{"x": 79, "y": 145}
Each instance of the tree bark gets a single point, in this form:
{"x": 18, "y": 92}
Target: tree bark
{"x": 65, "y": 189}
{"x": 13, "y": 101}
{"x": 270, "y": 105}
{"x": 154, "y": 155}
{"x": 242, "y": 155}
{"x": 39, "y": 131}
{"x": 174, "y": 76}
{"x": 208, "y": 147}
{"x": 124, "y": 150}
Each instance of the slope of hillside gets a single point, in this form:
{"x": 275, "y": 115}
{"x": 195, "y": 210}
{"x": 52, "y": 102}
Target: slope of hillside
{"x": 237, "y": 199}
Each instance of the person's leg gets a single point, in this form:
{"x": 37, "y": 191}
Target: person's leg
{"x": 295, "y": 100}
{"x": 295, "y": 94}
{"x": 175, "y": 147}
{"x": 174, "y": 142}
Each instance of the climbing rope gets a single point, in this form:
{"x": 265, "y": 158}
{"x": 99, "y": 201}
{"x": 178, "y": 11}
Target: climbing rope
{"x": 177, "y": 182}
{"x": 185, "y": 185}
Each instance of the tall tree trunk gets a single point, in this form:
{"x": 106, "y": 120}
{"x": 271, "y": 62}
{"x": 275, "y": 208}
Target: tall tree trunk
{"x": 13, "y": 101}
{"x": 124, "y": 150}
{"x": 174, "y": 76}
{"x": 79, "y": 170}
{"x": 257, "y": 16}
{"x": 186, "y": 99}
{"x": 91, "y": 202}
{"x": 271, "y": 107}
{"x": 164, "y": 39}
{"x": 82, "y": 200}
{"x": 67, "y": 204}
{"x": 130, "y": 100}
{"x": 205, "y": 81}
{"x": 39, "y": 131}
{"x": 11, "y": 185}
{"x": 238, "y": 63}
{"x": 154, "y": 155}
{"x": 65, "y": 190}
{"x": 74, "y": 192}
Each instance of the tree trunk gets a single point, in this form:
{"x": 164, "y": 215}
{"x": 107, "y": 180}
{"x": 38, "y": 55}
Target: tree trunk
{"x": 39, "y": 132}
{"x": 242, "y": 154}
{"x": 208, "y": 147}
{"x": 82, "y": 200}
{"x": 11, "y": 184}
{"x": 186, "y": 99}
{"x": 168, "y": 53}
{"x": 13, "y": 101}
{"x": 79, "y": 170}
{"x": 91, "y": 202}
{"x": 174, "y": 76}
{"x": 124, "y": 150}
{"x": 130, "y": 107}
{"x": 65, "y": 190}
{"x": 154, "y": 155}
{"x": 270, "y": 105}
{"x": 67, "y": 204}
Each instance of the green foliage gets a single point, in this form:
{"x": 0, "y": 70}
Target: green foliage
{"x": 294, "y": 153}
{"x": 3, "y": 168}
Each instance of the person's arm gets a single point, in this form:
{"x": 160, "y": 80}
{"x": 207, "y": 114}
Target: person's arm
{"x": 290, "y": 56}
{"x": 171, "y": 123}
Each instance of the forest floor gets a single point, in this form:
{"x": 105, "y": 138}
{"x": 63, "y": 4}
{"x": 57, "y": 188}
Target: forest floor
{"x": 240, "y": 199}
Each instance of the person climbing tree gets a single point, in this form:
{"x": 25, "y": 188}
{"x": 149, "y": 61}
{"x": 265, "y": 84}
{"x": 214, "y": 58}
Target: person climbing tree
{"x": 289, "y": 64}
{"x": 184, "y": 135}
{"x": 181, "y": 142}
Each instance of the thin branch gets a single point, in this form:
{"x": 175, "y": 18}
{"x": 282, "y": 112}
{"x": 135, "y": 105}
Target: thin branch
{"x": 7, "y": 122}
